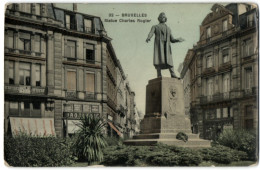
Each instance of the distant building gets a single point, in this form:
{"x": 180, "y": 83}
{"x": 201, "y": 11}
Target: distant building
{"x": 223, "y": 71}
{"x": 59, "y": 66}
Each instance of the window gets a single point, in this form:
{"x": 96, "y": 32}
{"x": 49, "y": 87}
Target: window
{"x": 36, "y": 111}
{"x": 90, "y": 82}
{"x": 13, "y": 109}
{"x": 225, "y": 55}
{"x": 249, "y": 123}
{"x": 38, "y": 75}
{"x": 208, "y": 32}
{"x": 224, "y": 25}
{"x": 218, "y": 113}
{"x": 210, "y": 88}
{"x": 226, "y": 85}
{"x": 10, "y": 39}
{"x": 71, "y": 80}
{"x": 70, "y": 21}
{"x": 37, "y": 43}
{"x": 25, "y": 7}
{"x": 209, "y": 61}
{"x": 90, "y": 55}
{"x": 249, "y": 111}
{"x": 25, "y": 74}
{"x": 37, "y": 9}
{"x": 250, "y": 20}
{"x": 11, "y": 72}
{"x": 88, "y": 25}
{"x": 25, "y": 108}
{"x": 248, "y": 78}
{"x": 225, "y": 112}
{"x": 70, "y": 51}
{"x": 248, "y": 48}
{"x": 25, "y": 41}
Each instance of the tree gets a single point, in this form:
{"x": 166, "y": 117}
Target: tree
{"x": 90, "y": 140}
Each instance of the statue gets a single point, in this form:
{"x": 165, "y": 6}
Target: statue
{"x": 162, "y": 47}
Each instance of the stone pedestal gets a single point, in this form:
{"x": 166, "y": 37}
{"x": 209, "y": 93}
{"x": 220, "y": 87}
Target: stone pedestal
{"x": 165, "y": 116}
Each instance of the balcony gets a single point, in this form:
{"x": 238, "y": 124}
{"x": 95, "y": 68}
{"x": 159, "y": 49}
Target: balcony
{"x": 219, "y": 97}
{"x": 250, "y": 92}
{"x": 225, "y": 66}
{"x": 18, "y": 89}
{"x": 208, "y": 71}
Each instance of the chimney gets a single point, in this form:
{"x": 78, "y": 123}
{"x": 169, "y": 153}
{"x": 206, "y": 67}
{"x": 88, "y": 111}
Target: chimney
{"x": 75, "y": 7}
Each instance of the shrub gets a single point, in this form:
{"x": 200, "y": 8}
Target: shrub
{"x": 222, "y": 154}
{"x": 159, "y": 155}
{"x": 242, "y": 140}
{"x": 113, "y": 141}
{"x": 90, "y": 140}
{"x": 182, "y": 136}
{"x": 25, "y": 151}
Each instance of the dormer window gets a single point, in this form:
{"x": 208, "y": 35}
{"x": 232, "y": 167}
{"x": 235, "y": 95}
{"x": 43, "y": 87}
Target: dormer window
{"x": 70, "y": 21}
{"x": 37, "y": 9}
{"x": 250, "y": 20}
{"x": 25, "y": 7}
{"x": 88, "y": 25}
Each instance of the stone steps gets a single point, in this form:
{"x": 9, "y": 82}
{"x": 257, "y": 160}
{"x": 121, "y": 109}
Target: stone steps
{"x": 163, "y": 136}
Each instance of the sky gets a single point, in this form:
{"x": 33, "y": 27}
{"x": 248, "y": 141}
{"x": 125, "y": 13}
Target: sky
{"x": 128, "y": 39}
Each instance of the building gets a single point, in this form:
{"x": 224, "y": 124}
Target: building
{"x": 59, "y": 66}
{"x": 223, "y": 71}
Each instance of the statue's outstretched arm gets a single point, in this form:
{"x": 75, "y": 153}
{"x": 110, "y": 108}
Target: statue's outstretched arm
{"x": 150, "y": 34}
{"x": 175, "y": 40}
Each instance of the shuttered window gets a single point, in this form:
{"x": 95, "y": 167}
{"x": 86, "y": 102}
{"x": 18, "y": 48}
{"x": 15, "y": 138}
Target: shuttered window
{"x": 71, "y": 80}
{"x": 90, "y": 82}
{"x": 37, "y": 43}
{"x": 70, "y": 50}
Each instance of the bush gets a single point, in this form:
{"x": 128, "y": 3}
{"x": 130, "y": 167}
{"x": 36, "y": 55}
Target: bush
{"x": 113, "y": 141}
{"x": 182, "y": 136}
{"x": 222, "y": 154}
{"x": 25, "y": 151}
{"x": 242, "y": 140}
{"x": 159, "y": 155}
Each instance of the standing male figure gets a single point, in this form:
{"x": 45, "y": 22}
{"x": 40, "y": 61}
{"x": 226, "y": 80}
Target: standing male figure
{"x": 162, "y": 46}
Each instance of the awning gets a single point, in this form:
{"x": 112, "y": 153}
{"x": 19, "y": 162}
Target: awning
{"x": 115, "y": 129}
{"x": 33, "y": 126}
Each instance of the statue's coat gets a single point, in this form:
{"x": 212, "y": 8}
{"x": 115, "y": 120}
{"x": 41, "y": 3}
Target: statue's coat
{"x": 162, "y": 53}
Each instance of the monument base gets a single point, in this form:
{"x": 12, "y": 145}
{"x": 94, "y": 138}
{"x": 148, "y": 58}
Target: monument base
{"x": 165, "y": 116}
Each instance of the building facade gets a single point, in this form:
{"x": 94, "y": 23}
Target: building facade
{"x": 57, "y": 69}
{"x": 223, "y": 71}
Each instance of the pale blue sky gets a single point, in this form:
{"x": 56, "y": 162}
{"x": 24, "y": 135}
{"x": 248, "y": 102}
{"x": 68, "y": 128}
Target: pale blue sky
{"x": 135, "y": 55}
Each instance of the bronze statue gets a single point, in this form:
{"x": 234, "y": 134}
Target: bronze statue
{"x": 162, "y": 47}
